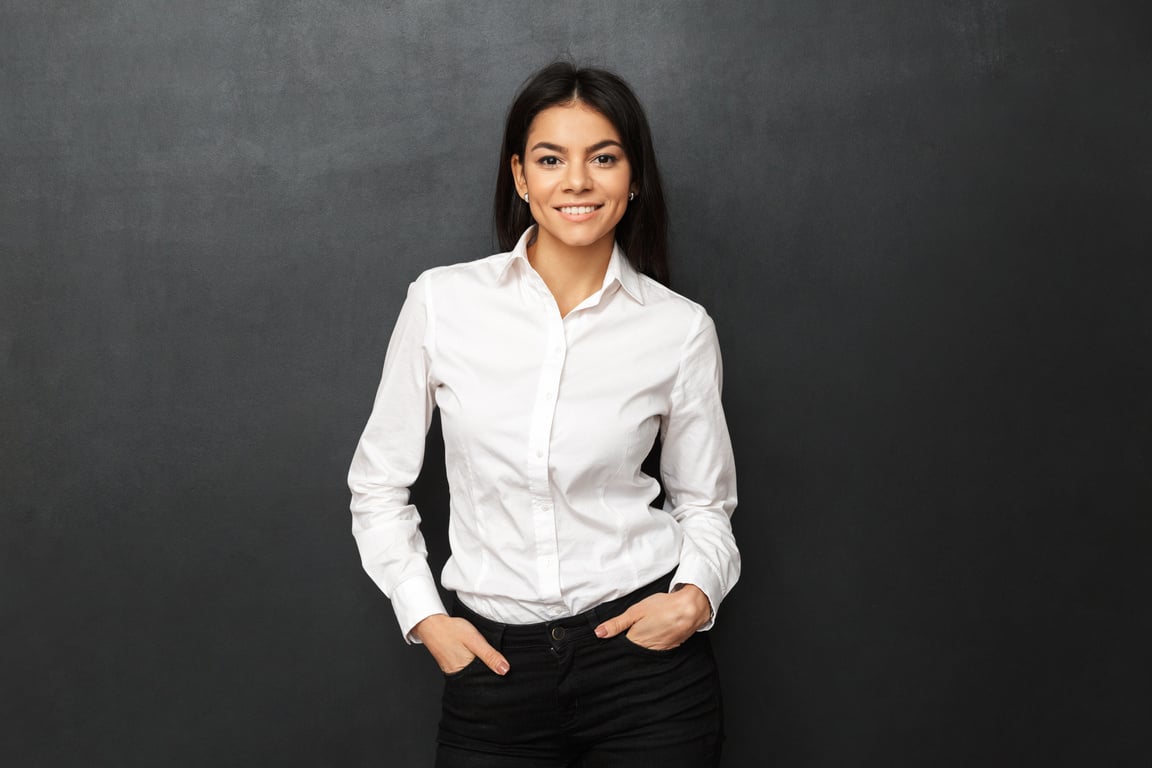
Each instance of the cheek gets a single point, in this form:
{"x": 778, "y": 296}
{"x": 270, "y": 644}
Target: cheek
{"x": 624, "y": 184}
{"x": 538, "y": 180}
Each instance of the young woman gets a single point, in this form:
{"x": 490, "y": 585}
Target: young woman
{"x": 576, "y": 636}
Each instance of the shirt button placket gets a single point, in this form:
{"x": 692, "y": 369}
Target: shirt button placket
{"x": 543, "y": 512}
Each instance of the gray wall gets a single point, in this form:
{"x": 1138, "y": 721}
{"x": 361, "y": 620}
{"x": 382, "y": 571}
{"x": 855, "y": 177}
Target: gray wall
{"x": 921, "y": 228}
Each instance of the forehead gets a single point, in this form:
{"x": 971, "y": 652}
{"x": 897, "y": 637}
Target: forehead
{"x": 577, "y": 121}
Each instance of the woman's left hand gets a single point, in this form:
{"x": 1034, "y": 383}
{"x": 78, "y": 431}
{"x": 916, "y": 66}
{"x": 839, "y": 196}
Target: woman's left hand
{"x": 662, "y": 621}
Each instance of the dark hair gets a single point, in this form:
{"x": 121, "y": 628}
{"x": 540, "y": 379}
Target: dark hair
{"x": 643, "y": 231}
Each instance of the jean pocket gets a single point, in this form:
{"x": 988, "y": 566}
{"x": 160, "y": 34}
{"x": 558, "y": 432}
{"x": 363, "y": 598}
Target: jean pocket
{"x": 653, "y": 653}
{"x": 469, "y": 667}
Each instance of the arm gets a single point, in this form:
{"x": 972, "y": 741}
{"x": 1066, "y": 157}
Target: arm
{"x": 387, "y": 528}
{"x": 699, "y": 471}
{"x": 387, "y": 462}
{"x": 700, "y": 483}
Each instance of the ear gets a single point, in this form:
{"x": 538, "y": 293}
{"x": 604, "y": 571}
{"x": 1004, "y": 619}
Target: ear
{"x": 518, "y": 176}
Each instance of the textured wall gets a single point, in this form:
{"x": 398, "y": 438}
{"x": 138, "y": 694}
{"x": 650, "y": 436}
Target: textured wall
{"x": 921, "y": 228}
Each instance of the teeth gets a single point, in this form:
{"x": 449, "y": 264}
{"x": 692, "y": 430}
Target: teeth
{"x": 576, "y": 210}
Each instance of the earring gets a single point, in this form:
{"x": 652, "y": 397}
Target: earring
{"x": 631, "y": 196}
{"x": 525, "y": 197}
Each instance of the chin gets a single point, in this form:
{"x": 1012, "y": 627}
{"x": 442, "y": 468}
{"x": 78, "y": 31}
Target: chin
{"x": 582, "y": 240}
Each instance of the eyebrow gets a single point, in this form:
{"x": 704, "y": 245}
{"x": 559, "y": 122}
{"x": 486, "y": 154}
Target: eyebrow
{"x": 564, "y": 150}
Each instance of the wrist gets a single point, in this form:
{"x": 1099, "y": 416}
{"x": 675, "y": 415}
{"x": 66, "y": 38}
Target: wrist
{"x": 696, "y": 602}
{"x": 428, "y": 623}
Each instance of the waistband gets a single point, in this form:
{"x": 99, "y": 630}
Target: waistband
{"x": 589, "y": 618}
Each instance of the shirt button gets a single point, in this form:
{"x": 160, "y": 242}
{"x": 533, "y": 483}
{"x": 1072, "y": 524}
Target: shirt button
{"x": 539, "y": 453}
{"x": 548, "y": 396}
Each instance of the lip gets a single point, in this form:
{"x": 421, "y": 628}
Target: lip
{"x": 567, "y": 211}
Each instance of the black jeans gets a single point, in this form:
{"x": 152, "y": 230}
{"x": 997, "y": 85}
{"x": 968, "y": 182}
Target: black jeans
{"x": 574, "y": 700}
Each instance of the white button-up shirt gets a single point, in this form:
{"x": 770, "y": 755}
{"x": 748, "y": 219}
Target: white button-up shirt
{"x": 546, "y": 421}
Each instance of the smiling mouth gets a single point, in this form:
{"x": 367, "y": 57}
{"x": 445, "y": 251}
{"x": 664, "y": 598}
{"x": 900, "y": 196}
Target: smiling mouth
{"x": 578, "y": 210}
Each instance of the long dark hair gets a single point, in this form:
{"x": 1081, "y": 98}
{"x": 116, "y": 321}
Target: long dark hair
{"x": 643, "y": 231}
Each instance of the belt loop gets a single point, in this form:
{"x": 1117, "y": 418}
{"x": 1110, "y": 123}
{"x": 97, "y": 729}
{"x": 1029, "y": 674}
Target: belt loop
{"x": 498, "y": 638}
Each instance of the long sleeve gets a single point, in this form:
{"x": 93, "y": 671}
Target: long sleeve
{"x": 387, "y": 462}
{"x": 699, "y": 471}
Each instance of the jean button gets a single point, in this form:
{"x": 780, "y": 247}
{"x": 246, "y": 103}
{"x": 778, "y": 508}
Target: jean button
{"x": 557, "y": 633}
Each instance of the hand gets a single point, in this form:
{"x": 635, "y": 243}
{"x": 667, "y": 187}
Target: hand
{"x": 455, "y": 642}
{"x": 662, "y": 621}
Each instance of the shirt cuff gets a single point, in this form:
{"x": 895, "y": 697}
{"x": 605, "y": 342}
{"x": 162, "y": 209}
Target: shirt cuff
{"x": 413, "y": 601}
{"x": 700, "y": 576}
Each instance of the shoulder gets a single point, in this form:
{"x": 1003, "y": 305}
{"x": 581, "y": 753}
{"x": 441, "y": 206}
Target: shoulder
{"x": 464, "y": 275}
{"x": 672, "y": 307}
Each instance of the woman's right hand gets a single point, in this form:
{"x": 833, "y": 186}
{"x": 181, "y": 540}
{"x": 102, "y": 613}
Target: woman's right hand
{"x": 454, "y": 642}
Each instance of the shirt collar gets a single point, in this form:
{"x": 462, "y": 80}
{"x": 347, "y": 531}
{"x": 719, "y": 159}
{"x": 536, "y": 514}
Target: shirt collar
{"x": 518, "y": 253}
{"x": 622, "y": 271}
{"x": 619, "y": 270}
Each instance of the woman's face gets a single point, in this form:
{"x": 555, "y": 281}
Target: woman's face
{"x": 576, "y": 175}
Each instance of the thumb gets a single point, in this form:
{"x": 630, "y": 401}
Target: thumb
{"x": 617, "y": 624}
{"x": 491, "y": 657}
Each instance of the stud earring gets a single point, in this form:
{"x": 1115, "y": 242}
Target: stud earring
{"x": 631, "y": 196}
{"x": 525, "y": 197}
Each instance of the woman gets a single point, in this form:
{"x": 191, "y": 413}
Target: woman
{"x": 576, "y": 638}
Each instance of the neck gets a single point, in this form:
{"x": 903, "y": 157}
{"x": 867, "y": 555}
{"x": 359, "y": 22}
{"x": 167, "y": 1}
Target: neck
{"x": 572, "y": 273}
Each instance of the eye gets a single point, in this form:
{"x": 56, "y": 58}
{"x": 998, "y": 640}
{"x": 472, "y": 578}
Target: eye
{"x": 548, "y": 161}
{"x": 604, "y": 160}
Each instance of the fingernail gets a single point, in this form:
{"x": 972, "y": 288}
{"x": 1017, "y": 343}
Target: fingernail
{"x": 502, "y": 668}
{"x": 601, "y": 632}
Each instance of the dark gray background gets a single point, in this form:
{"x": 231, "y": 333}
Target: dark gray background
{"x": 922, "y": 229}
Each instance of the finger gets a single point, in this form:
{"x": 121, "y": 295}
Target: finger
{"x": 617, "y": 624}
{"x": 491, "y": 657}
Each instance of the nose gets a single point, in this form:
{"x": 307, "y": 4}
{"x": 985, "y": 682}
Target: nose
{"x": 575, "y": 177}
